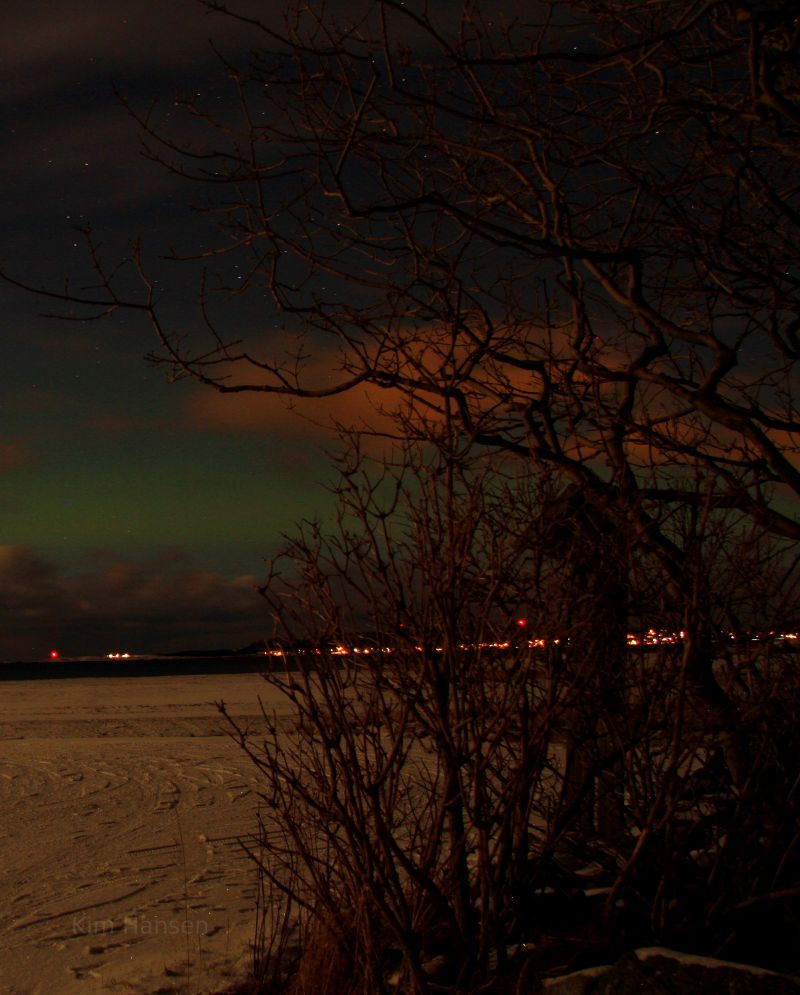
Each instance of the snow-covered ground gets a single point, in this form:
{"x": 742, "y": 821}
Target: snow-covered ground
{"x": 121, "y": 801}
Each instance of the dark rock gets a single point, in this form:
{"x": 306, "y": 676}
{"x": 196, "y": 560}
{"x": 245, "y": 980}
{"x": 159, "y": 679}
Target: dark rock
{"x": 654, "y": 971}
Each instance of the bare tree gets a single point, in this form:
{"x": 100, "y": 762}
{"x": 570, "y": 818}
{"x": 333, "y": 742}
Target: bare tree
{"x": 450, "y": 782}
{"x": 578, "y": 227}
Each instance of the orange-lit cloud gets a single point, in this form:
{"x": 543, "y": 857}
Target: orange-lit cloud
{"x": 14, "y": 455}
{"x": 300, "y": 418}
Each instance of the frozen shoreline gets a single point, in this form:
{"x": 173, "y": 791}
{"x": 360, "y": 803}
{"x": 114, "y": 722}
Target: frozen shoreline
{"x": 136, "y": 666}
{"x": 121, "y": 799}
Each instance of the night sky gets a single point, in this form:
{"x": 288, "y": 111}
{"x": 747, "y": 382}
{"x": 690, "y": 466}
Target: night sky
{"x": 135, "y": 514}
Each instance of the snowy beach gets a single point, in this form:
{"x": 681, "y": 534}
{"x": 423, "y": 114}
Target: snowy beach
{"x": 121, "y": 804}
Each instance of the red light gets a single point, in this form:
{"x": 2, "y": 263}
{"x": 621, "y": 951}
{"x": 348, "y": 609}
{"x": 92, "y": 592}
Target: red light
{"x": 522, "y": 622}
{"x": 54, "y": 654}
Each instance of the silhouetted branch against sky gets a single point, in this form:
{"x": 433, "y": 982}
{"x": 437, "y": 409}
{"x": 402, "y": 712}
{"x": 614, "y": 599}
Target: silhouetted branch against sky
{"x": 573, "y": 223}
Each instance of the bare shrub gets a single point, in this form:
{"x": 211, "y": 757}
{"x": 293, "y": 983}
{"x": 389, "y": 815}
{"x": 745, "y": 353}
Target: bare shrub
{"x": 421, "y": 777}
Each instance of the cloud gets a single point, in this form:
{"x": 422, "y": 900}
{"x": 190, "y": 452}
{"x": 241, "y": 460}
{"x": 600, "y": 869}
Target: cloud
{"x": 14, "y": 455}
{"x": 161, "y": 603}
{"x": 119, "y": 423}
{"x": 293, "y": 418}
{"x": 131, "y": 32}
